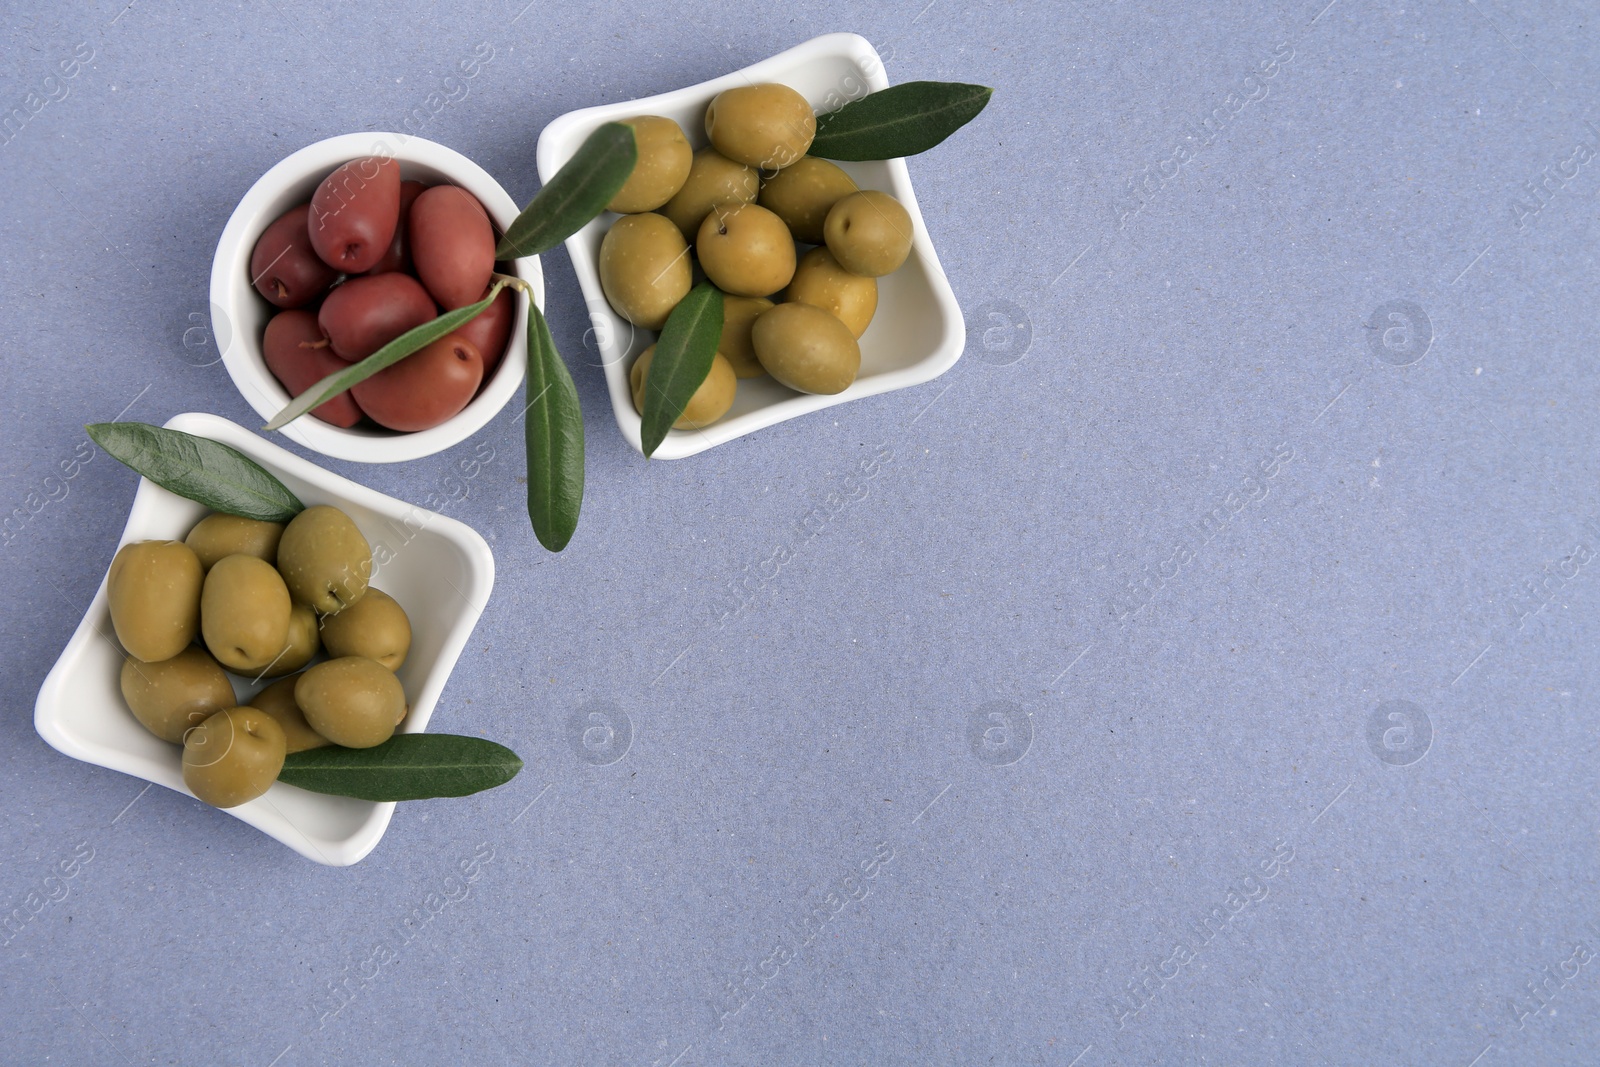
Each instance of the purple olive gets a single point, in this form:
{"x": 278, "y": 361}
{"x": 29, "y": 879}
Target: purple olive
{"x": 284, "y": 268}
{"x": 354, "y": 213}
{"x": 491, "y": 329}
{"x": 364, "y": 314}
{"x": 298, "y": 356}
{"x": 425, "y": 388}
{"x": 452, "y": 245}
{"x": 399, "y": 255}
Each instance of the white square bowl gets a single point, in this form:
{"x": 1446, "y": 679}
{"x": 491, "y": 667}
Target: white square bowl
{"x": 439, "y": 569}
{"x": 918, "y": 332}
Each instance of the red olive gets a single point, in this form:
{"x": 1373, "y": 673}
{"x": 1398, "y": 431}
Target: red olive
{"x": 425, "y": 388}
{"x": 354, "y": 213}
{"x": 292, "y": 360}
{"x": 364, "y": 314}
{"x": 452, "y": 245}
{"x": 398, "y": 257}
{"x": 490, "y": 330}
{"x": 283, "y": 267}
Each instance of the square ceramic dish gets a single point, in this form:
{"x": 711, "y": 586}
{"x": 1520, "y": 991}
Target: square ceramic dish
{"x": 439, "y": 569}
{"x": 239, "y": 314}
{"x": 918, "y": 331}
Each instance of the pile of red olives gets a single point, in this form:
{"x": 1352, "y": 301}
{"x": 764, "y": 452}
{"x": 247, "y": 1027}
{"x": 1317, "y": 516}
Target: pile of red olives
{"x": 795, "y": 247}
{"x": 263, "y": 599}
{"x": 368, "y": 258}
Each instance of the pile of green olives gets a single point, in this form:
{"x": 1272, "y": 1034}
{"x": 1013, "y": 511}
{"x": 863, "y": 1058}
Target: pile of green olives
{"x": 260, "y": 600}
{"x": 366, "y": 259}
{"x": 795, "y": 247}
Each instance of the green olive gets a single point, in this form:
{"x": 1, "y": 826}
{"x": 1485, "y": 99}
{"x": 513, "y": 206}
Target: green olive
{"x": 374, "y": 626}
{"x": 232, "y": 757}
{"x": 802, "y": 195}
{"x": 806, "y": 348}
{"x": 663, "y": 164}
{"x": 821, "y": 282}
{"x": 713, "y": 179}
{"x": 708, "y": 404}
{"x": 244, "y": 613}
{"x": 869, "y": 233}
{"x": 301, "y": 645}
{"x": 154, "y": 592}
{"x": 324, "y": 559}
{"x": 768, "y": 126}
{"x": 170, "y": 696}
{"x": 738, "y": 313}
{"x": 644, "y": 268}
{"x": 352, "y": 701}
{"x": 277, "y": 700}
{"x": 745, "y": 250}
{"x": 220, "y": 535}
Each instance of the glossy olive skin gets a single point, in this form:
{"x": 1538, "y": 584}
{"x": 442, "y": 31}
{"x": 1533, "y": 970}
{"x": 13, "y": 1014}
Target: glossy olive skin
{"x": 171, "y": 696}
{"x": 644, "y": 268}
{"x": 708, "y": 404}
{"x": 490, "y": 331}
{"x": 354, "y": 213}
{"x": 219, "y": 535}
{"x": 283, "y": 266}
{"x": 452, "y": 245}
{"x": 738, "y": 315}
{"x": 398, "y": 257}
{"x": 375, "y": 627}
{"x": 424, "y": 389}
{"x": 821, "y": 282}
{"x": 662, "y": 167}
{"x": 768, "y": 126}
{"x": 745, "y": 250}
{"x": 806, "y": 348}
{"x": 324, "y": 559}
{"x": 352, "y": 701}
{"x": 232, "y": 757}
{"x": 154, "y": 591}
{"x": 303, "y": 643}
{"x": 277, "y": 700}
{"x": 869, "y": 233}
{"x": 298, "y": 356}
{"x": 362, "y": 315}
{"x": 244, "y": 613}
{"x": 803, "y": 194}
{"x": 713, "y": 179}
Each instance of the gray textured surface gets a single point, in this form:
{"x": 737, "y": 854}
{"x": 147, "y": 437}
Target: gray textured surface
{"x": 1177, "y": 739}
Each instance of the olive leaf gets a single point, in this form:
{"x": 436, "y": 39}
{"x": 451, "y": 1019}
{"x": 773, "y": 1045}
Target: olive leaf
{"x": 413, "y": 340}
{"x": 681, "y": 362}
{"x": 222, "y": 478}
{"x": 553, "y": 435}
{"x": 901, "y": 120}
{"x": 577, "y": 192}
{"x": 405, "y": 767}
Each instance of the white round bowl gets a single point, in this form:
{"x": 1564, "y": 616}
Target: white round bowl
{"x": 239, "y": 314}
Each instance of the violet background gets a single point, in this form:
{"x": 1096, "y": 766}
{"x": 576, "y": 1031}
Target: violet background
{"x": 1128, "y": 367}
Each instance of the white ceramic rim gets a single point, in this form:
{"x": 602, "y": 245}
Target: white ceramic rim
{"x": 230, "y": 284}
{"x": 261, "y": 813}
{"x": 560, "y": 139}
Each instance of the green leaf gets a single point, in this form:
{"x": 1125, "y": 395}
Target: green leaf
{"x": 681, "y": 362}
{"x": 901, "y": 120}
{"x": 554, "y": 437}
{"x": 222, "y": 478}
{"x": 413, "y": 340}
{"x": 405, "y": 767}
{"x": 577, "y": 192}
